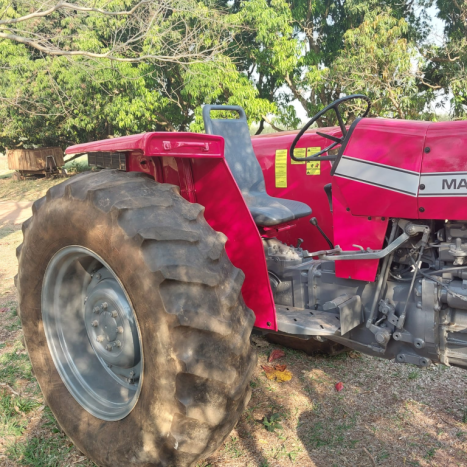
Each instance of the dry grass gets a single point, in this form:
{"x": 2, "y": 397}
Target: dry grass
{"x": 4, "y": 165}
{"x": 32, "y": 188}
{"x": 25, "y": 190}
{"x": 387, "y": 414}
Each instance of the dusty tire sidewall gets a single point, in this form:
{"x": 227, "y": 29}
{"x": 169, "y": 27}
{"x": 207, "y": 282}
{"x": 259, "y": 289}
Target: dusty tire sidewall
{"x": 138, "y": 437}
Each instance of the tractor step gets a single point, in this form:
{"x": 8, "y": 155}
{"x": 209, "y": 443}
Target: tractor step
{"x": 307, "y": 322}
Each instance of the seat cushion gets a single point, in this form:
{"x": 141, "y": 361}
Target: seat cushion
{"x": 245, "y": 168}
{"x": 268, "y": 211}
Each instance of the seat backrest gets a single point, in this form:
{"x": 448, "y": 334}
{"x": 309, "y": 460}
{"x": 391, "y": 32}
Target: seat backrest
{"x": 238, "y": 148}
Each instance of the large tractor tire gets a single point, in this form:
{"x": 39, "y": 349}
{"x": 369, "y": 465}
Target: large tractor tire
{"x": 133, "y": 320}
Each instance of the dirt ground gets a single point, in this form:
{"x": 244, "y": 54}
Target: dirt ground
{"x": 386, "y": 415}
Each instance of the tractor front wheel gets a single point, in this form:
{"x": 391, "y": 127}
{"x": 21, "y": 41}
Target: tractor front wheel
{"x": 133, "y": 320}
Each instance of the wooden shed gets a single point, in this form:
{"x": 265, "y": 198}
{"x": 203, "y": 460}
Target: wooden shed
{"x": 31, "y": 161}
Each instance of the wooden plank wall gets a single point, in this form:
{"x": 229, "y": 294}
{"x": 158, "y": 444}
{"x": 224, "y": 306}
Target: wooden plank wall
{"x": 33, "y": 159}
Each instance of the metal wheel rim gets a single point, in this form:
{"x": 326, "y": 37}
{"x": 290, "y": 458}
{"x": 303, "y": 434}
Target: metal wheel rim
{"x": 92, "y": 333}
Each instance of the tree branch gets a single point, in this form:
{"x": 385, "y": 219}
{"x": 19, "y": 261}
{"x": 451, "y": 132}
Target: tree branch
{"x": 167, "y": 31}
{"x": 296, "y": 93}
{"x": 269, "y": 122}
{"x": 261, "y": 127}
{"x": 429, "y": 85}
{"x": 70, "y": 6}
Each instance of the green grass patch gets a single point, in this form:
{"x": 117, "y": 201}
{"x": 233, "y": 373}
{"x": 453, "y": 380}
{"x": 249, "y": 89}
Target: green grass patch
{"x": 14, "y": 364}
{"x": 273, "y": 422}
{"x": 78, "y": 166}
{"x": 54, "y": 450}
{"x": 414, "y": 374}
{"x": 11, "y": 423}
{"x": 13, "y": 409}
{"x": 233, "y": 449}
{"x": 41, "y": 452}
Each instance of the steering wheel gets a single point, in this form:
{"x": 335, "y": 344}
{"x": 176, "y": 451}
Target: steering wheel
{"x": 336, "y": 141}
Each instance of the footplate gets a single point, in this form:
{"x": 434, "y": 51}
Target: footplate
{"x": 307, "y": 322}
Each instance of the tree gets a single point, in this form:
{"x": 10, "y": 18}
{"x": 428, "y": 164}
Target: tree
{"x": 62, "y": 99}
{"x": 118, "y": 30}
{"x": 288, "y": 47}
{"x": 379, "y": 61}
{"x": 131, "y": 70}
{"x": 447, "y": 62}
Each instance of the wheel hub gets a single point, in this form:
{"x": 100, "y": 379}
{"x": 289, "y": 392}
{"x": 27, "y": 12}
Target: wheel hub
{"x": 110, "y": 324}
{"x": 90, "y": 327}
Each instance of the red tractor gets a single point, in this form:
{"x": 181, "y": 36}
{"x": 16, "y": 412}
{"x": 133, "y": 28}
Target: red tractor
{"x": 139, "y": 286}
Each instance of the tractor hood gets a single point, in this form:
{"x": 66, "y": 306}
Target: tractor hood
{"x": 402, "y": 168}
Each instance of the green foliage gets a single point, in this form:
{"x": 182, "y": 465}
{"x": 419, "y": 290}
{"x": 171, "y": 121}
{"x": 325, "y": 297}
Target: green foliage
{"x": 377, "y": 60}
{"x": 290, "y": 49}
{"x": 75, "y": 167}
{"x": 49, "y": 100}
{"x": 273, "y": 422}
{"x": 268, "y": 54}
{"x": 445, "y": 69}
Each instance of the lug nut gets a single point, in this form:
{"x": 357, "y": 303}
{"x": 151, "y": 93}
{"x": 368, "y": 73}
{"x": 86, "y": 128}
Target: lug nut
{"x": 100, "y": 338}
{"x": 114, "y": 314}
{"x": 118, "y": 344}
{"x": 120, "y": 329}
{"x": 96, "y": 309}
{"x": 104, "y": 306}
{"x": 108, "y": 347}
{"x": 95, "y": 323}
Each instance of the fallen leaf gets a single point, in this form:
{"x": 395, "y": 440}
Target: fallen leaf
{"x": 2, "y": 310}
{"x": 282, "y": 376}
{"x": 17, "y": 409}
{"x": 355, "y": 354}
{"x": 339, "y": 386}
{"x": 278, "y": 373}
{"x": 276, "y": 354}
{"x": 267, "y": 368}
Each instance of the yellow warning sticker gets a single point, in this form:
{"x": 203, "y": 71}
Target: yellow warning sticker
{"x": 298, "y": 152}
{"x": 281, "y": 168}
{"x": 313, "y": 167}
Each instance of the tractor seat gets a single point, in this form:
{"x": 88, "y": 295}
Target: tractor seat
{"x": 266, "y": 210}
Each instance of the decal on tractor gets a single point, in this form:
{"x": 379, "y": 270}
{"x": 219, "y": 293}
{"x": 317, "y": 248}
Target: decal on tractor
{"x": 312, "y": 167}
{"x": 281, "y": 168}
{"x": 301, "y": 152}
{"x": 444, "y": 184}
{"x": 381, "y": 175}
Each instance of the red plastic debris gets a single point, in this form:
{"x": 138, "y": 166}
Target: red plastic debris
{"x": 339, "y": 386}
{"x": 276, "y": 354}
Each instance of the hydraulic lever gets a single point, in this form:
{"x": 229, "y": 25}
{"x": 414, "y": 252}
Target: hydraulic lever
{"x": 314, "y": 221}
